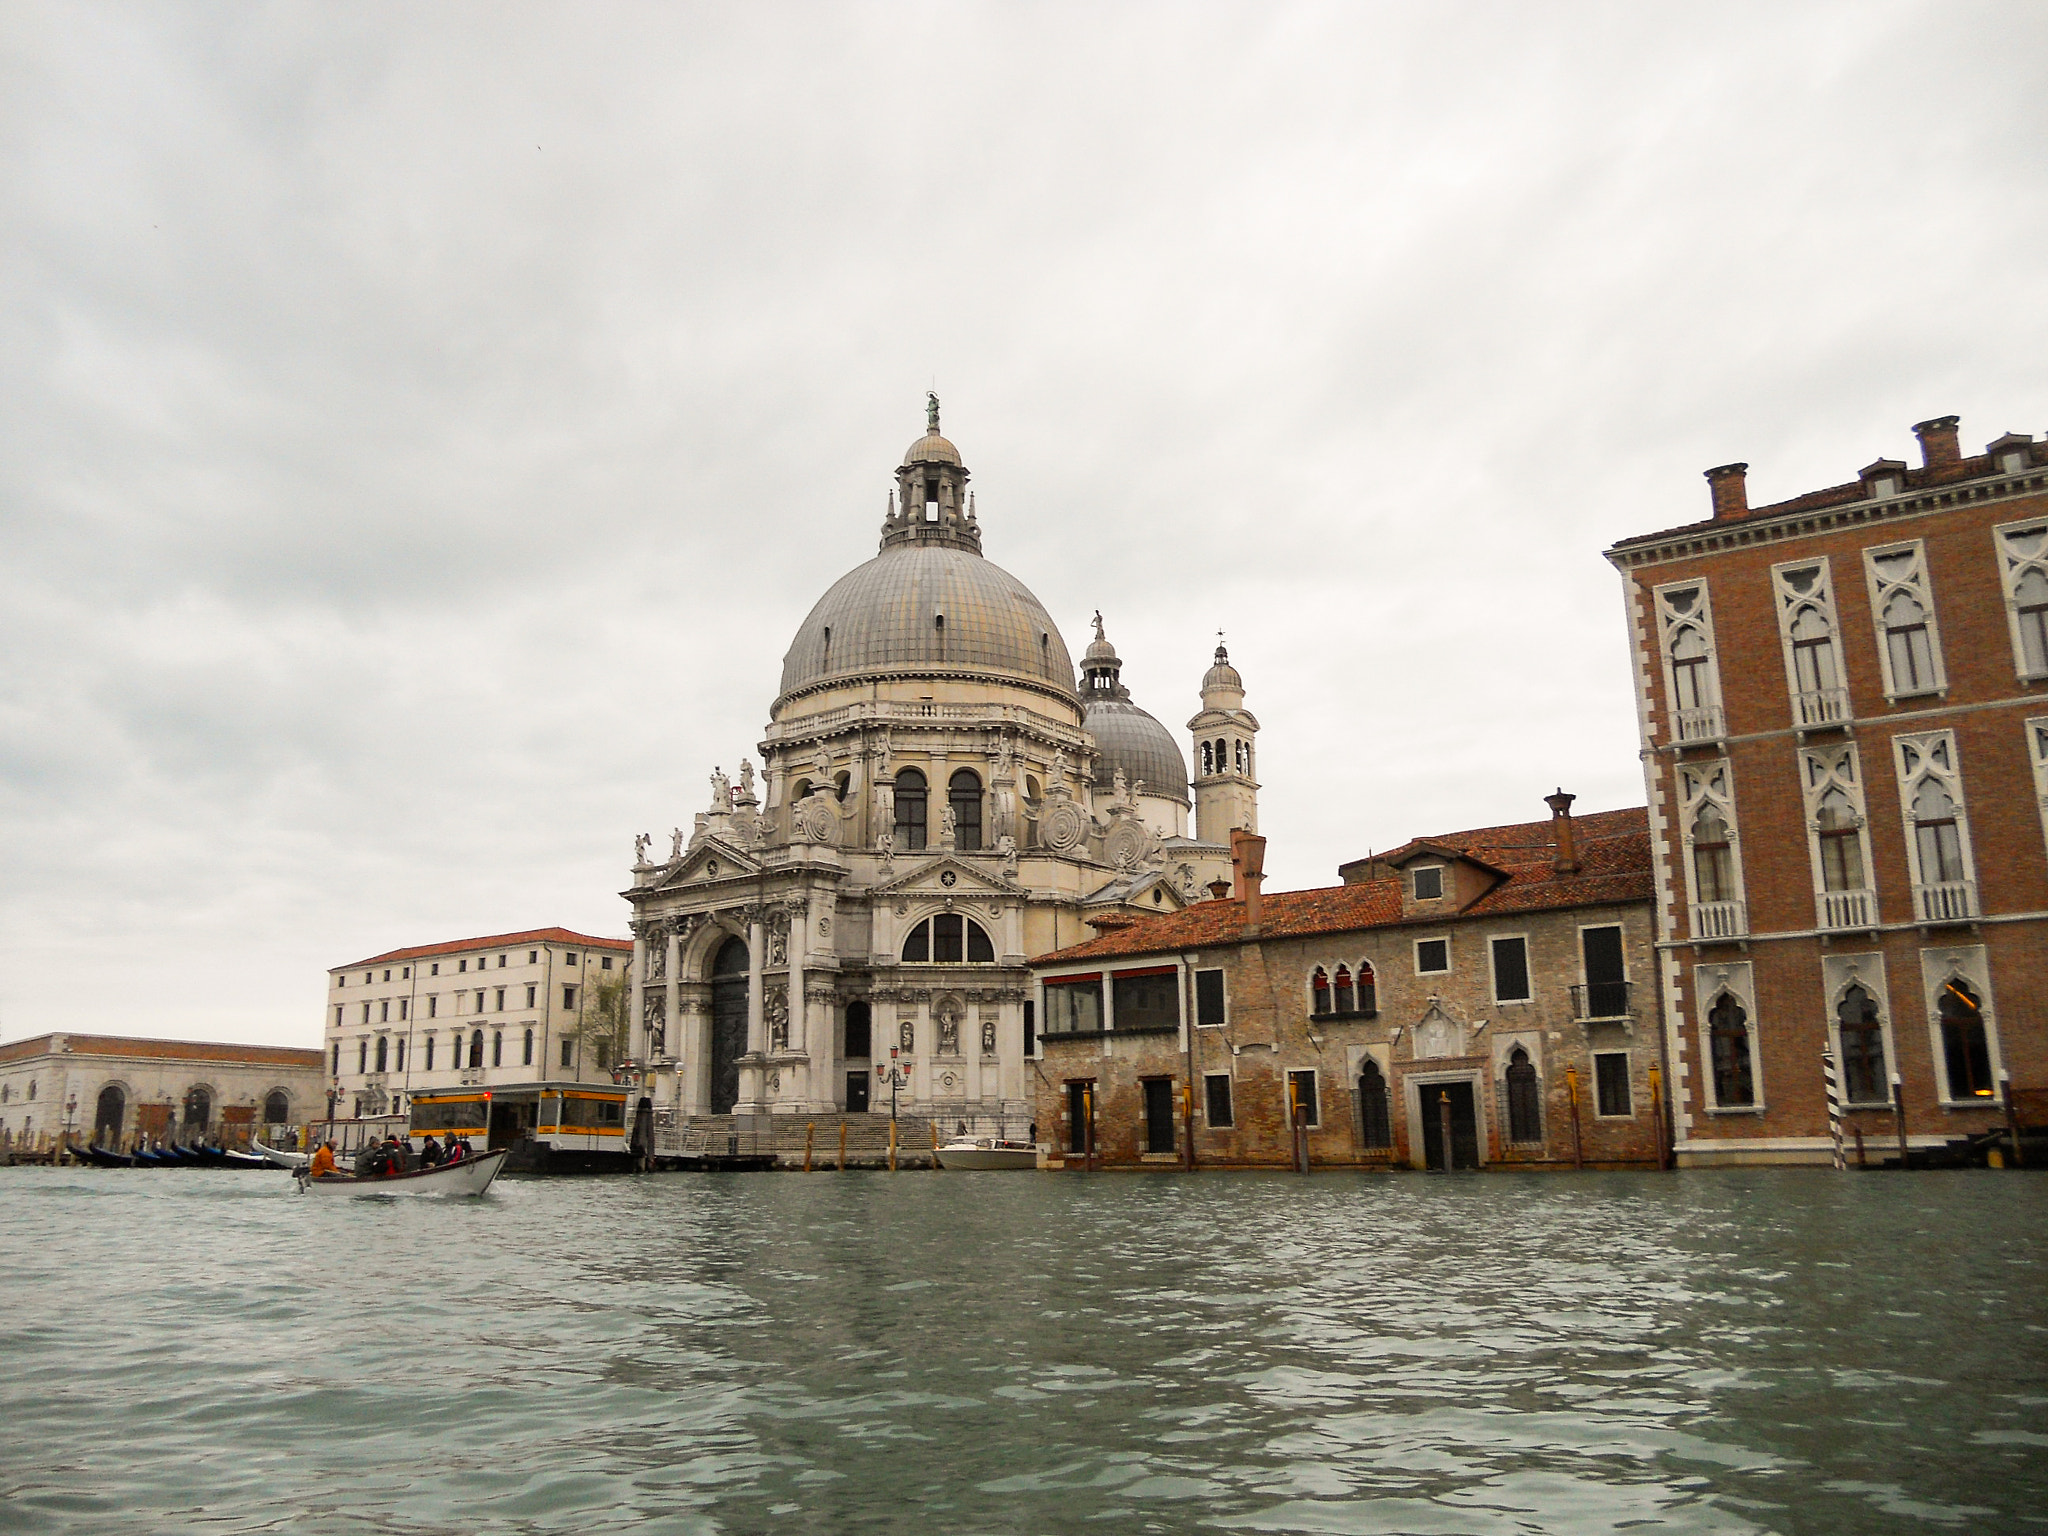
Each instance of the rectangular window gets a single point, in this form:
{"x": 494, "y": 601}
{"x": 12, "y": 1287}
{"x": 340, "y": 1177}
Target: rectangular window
{"x": 1432, "y": 956}
{"x": 1209, "y": 998}
{"x": 567, "y": 1057}
{"x": 1073, "y": 1005}
{"x": 1030, "y": 1030}
{"x": 399, "y": 1064}
{"x": 405, "y": 974}
{"x": 569, "y": 959}
{"x": 526, "y": 1051}
{"x": 605, "y": 963}
{"x": 1147, "y": 999}
{"x": 1606, "y": 973}
{"x": 384, "y": 1010}
{"x": 532, "y": 991}
{"x": 387, "y": 974}
{"x": 1301, "y": 1097}
{"x": 366, "y": 1013}
{"x": 533, "y": 957}
{"x": 433, "y": 1005}
{"x": 337, "y": 1015}
{"x": 501, "y": 962}
{"x": 497, "y": 1047}
{"x": 1216, "y": 1100}
{"x": 404, "y": 1009}
{"x": 462, "y": 965}
{"x": 430, "y": 1053}
{"x": 362, "y": 1057}
{"x": 1429, "y": 882}
{"x": 479, "y": 1000}
{"x": 1511, "y": 970}
{"x": 434, "y": 969}
{"x": 334, "y": 1065}
{"x": 1902, "y": 605}
{"x": 569, "y": 998}
{"x": 1610, "y": 1076}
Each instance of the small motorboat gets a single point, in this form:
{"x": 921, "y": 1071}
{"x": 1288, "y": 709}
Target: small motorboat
{"x": 986, "y": 1152}
{"x": 277, "y": 1157}
{"x": 471, "y": 1176}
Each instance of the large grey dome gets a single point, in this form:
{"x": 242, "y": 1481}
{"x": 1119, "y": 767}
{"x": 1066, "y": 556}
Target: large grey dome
{"x": 885, "y": 617}
{"x": 1132, "y": 740}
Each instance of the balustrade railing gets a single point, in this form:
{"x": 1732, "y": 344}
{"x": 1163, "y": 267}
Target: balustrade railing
{"x": 1821, "y": 706}
{"x": 1948, "y": 901}
{"x": 1601, "y": 1000}
{"x": 1719, "y": 920}
{"x": 1701, "y": 724}
{"x": 1847, "y": 909}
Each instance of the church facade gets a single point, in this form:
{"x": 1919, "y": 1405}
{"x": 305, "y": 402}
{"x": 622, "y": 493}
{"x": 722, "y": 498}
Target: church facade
{"x": 939, "y": 798}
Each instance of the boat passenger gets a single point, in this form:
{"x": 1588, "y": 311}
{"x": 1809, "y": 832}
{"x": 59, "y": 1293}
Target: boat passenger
{"x": 323, "y": 1161}
{"x": 430, "y": 1154}
{"x": 397, "y": 1157}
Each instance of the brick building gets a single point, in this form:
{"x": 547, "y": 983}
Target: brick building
{"x": 1843, "y": 701}
{"x": 1499, "y": 976}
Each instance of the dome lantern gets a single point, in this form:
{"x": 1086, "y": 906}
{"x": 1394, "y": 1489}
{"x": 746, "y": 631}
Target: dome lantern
{"x": 933, "y": 506}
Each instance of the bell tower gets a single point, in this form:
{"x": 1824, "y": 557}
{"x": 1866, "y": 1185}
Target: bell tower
{"x": 1226, "y": 757}
{"x": 931, "y": 504}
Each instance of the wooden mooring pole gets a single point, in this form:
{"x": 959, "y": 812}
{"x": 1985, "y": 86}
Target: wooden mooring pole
{"x": 842, "y": 1146}
{"x": 892, "y": 1144}
{"x": 1899, "y": 1118}
{"x": 810, "y": 1130}
{"x": 1571, "y": 1088}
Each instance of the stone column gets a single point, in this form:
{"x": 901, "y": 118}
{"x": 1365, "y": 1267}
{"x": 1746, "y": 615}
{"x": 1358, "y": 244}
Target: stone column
{"x": 757, "y": 959}
{"x": 673, "y": 1019}
{"x": 637, "y": 1027}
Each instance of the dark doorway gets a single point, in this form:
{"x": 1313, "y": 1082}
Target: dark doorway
{"x": 1464, "y": 1124}
{"x": 511, "y": 1123}
{"x": 856, "y": 1093}
{"x": 728, "y": 1024}
{"x": 108, "y": 1116}
{"x": 860, "y": 1032}
{"x": 1077, "y": 1117}
{"x": 1158, "y": 1114}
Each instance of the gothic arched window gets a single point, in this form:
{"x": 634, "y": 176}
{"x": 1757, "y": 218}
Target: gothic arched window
{"x": 1375, "y": 1125}
{"x": 949, "y": 939}
{"x": 1907, "y": 644}
{"x": 1813, "y": 652}
{"x": 1525, "y": 1098}
{"x": 1319, "y": 990}
{"x": 1841, "y": 847}
{"x": 1965, "y": 1049}
{"x": 1728, "y": 1032}
{"x": 1689, "y": 669}
{"x": 963, "y": 795}
{"x": 1862, "y": 1036}
{"x": 1347, "y": 1001}
{"x": 2030, "y": 599}
{"x": 910, "y": 809}
{"x": 1935, "y": 837}
{"x": 1713, "y": 864}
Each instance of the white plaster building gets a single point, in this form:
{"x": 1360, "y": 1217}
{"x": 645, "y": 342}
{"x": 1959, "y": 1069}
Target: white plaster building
{"x": 112, "y": 1090}
{"x": 938, "y": 801}
{"x": 505, "y": 1009}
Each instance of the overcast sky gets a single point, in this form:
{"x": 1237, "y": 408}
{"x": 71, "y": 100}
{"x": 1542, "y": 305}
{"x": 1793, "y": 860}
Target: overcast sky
{"x": 424, "y": 427}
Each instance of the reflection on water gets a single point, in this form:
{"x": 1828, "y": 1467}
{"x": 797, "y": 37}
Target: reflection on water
{"x": 1739, "y": 1352}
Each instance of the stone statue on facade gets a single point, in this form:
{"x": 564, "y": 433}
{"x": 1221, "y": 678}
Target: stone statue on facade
{"x": 675, "y": 844}
{"x": 988, "y": 1037}
{"x": 640, "y": 848}
{"x": 746, "y": 795}
{"x": 778, "y": 1020}
{"x": 949, "y": 1036}
{"x": 948, "y": 826}
{"x": 906, "y": 1036}
{"x": 931, "y": 411}
{"x": 1006, "y": 845}
{"x": 721, "y": 792}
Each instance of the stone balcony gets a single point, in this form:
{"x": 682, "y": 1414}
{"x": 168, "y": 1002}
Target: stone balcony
{"x": 1846, "y": 910}
{"x": 1946, "y": 901}
{"x": 1720, "y": 920}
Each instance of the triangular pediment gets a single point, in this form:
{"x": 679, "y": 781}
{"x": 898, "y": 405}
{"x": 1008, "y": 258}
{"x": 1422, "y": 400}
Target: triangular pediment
{"x": 712, "y": 859}
{"x": 929, "y": 878}
{"x": 1136, "y": 891}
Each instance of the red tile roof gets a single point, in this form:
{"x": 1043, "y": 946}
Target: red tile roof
{"x": 1614, "y": 866}
{"x": 163, "y": 1050}
{"x": 492, "y": 941}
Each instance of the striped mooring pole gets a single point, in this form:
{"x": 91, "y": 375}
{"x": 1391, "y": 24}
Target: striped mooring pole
{"x": 1827, "y": 1069}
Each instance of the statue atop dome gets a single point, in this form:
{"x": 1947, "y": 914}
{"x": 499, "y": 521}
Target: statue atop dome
{"x": 931, "y": 412}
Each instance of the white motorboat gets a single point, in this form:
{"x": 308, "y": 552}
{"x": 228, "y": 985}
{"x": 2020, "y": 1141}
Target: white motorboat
{"x": 280, "y": 1159}
{"x": 986, "y": 1152}
{"x": 471, "y": 1176}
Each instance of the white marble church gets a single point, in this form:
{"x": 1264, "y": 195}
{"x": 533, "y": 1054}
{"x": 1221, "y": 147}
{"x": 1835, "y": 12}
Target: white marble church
{"x": 938, "y": 800}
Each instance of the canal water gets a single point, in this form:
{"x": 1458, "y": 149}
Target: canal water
{"x": 1766, "y": 1351}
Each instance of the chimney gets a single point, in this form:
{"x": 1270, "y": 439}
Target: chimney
{"x": 1730, "y": 485}
{"x": 1567, "y": 859}
{"x": 1219, "y": 890}
{"x": 1248, "y": 863}
{"x": 1939, "y": 448}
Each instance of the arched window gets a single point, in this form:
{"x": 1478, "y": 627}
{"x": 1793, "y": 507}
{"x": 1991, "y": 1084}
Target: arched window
{"x": 1346, "y": 1001}
{"x": 476, "y": 1048}
{"x": 949, "y": 939}
{"x": 1935, "y": 837}
{"x": 859, "y": 1031}
{"x": 109, "y": 1115}
{"x": 963, "y": 795}
{"x": 840, "y": 785}
{"x": 383, "y": 1052}
{"x": 1689, "y": 669}
{"x": 497, "y": 1047}
{"x": 1208, "y": 757}
{"x": 1244, "y": 757}
{"x": 799, "y": 790}
{"x": 1813, "y": 652}
{"x": 2030, "y": 594}
{"x": 1319, "y": 990}
{"x": 362, "y": 1055}
{"x": 1906, "y": 644}
{"x": 1525, "y": 1098}
{"x": 399, "y": 1063}
{"x": 1713, "y": 864}
{"x": 1841, "y": 848}
{"x": 910, "y": 809}
{"x": 1863, "y": 1076}
{"x": 198, "y": 1108}
{"x": 1033, "y": 796}
{"x": 1375, "y": 1125}
{"x": 277, "y": 1107}
{"x": 1368, "y": 989}
{"x": 526, "y": 1051}
{"x": 1965, "y": 1049}
{"x": 1728, "y": 1031}
{"x": 1222, "y": 755}
{"x": 430, "y": 1053}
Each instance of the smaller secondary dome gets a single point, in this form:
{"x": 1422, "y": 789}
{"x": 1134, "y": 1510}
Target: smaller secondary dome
{"x": 1223, "y": 674}
{"x": 1128, "y": 738}
{"x": 931, "y": 449}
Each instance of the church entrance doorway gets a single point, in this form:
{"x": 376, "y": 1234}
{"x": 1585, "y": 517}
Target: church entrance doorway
{"x": 1464, "y": 1124}
{"x": 728, "y": 1024}
{"x": 857, "y": 1093}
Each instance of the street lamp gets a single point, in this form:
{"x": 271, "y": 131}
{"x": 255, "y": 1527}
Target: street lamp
{"x": 70, "y": 1109}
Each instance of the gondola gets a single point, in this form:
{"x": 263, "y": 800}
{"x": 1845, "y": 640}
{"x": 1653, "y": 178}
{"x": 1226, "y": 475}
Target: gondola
{"x": 101, "y": 1158}
{"x": 471, "y": 1176}
{"x": 281, "y": 1159}
{"x": 152, "y": 1157}
{"x": 239, "y": 1159}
